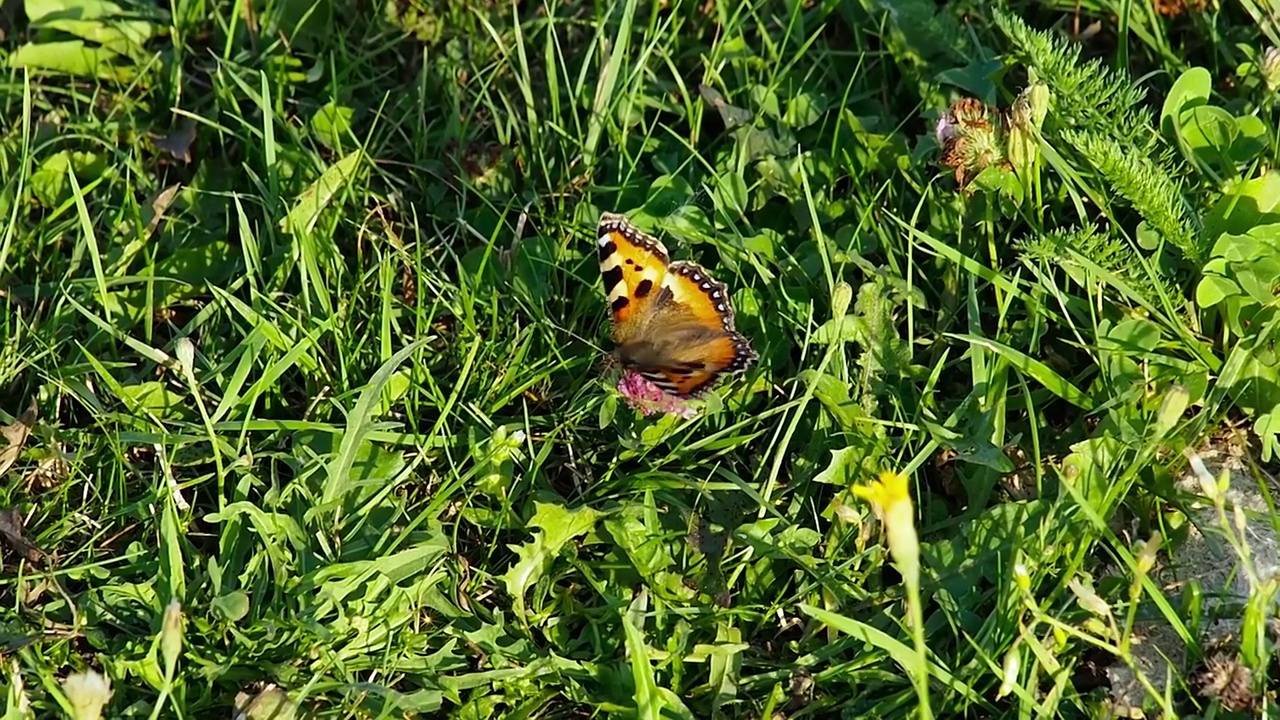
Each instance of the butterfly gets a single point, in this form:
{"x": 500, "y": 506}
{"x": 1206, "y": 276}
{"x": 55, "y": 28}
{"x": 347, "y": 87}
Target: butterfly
{"x": 672, "y": 321}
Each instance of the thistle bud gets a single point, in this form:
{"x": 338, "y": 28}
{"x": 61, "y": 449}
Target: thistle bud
{"x": 1270, "y": 68}
{"x": 1009, "y": 673}
{"x": 1208, "y": 485}
{"x": 970, "y": 135}
{"x": 1147, "y": 554}
{"x": 841, "y": 296}
{"x": 1021, "y": 577}
{"x": 1025, "y": 119}
{"x": 171, "y": 636}
{"x": 88, "y": 692}
{"x": 186, "y": 352}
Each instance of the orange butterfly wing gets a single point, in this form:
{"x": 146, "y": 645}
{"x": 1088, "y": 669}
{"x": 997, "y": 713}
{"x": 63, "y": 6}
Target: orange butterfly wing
{"x": 633, "y": 265}
{"x": 726, "y": 355}
{"x": 706, "y": 300}
{"x": 637, "y": 272}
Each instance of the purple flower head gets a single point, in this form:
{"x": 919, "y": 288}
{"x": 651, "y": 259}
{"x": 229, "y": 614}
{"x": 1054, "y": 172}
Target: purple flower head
{"x": 645, "y": 396}
{"x": 945, "y": 129}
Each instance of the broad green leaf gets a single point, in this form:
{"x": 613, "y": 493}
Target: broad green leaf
{"x": 766, "y": 101}
{"x": 118, "y": 35}
{"x": 331, "y": 125}
{"x": 730, "y": 196}
{"x": 554, "y": 526}
{"x": 1208, "y": 132}
{"x": 232, "y": 606}
{"x": 270, "y": 525}
{"x": 803, "y": 110}
{"x": 98, "y": 21}
{"x": 40, "y": 12}
{"x": 666, "y": 195}
{"x": 1246, "y": 205}
{"x": 608, "y": 410}
{"x": 977, "y": 78}
{"x": 847, "y": 329}
{"x": 726, "y": 662}
{"x": 1091, "y": 468}
{"x": 842, "y": 470}
{"x": 359, "y": 422}
{"x": 1267, "y": 428}
{"x": 973, "y": 445}
{"x": 481, "y": 269}
{"x": 730, "y": 115}
{"x": 834, "y": 396}
{"x": 307, "y": 208}
{"x": 1213, "y": 289}
{"x": 155, "y": 397}
{"x": 397, "y": 387}
{"x": 691, "y": 223}
{"x": 1001, "y": 181}
{"x": 1257, "y": 283}
{"x": 637, "y": 530}
{"x": 73, "y": 57}
{"x": 757, "y": 142}
{"x": 1251, "y": 141}
{"x": 1257, "y": 387}
{"x": 764, "y": 245}
{"x": 1192, "y": 88}
{"x": 49, "y": 182}
{"x": 648, "y": 701}
{"x": 272, "y": 703}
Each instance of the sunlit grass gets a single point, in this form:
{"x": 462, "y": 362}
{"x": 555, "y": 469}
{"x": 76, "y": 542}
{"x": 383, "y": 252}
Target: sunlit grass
{"x": 307, "y": 405}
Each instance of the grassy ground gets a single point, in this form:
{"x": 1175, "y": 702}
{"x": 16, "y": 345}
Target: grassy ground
{"x": 303, "y": 352}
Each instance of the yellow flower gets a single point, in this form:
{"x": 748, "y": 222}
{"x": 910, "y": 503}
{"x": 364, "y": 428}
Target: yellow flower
{"x": 890, "y": 497}
{"x": 889, "y": 489}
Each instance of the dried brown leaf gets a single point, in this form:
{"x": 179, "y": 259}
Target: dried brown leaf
{"x": 11, "y": 532}
{"x": 16, "y": 435}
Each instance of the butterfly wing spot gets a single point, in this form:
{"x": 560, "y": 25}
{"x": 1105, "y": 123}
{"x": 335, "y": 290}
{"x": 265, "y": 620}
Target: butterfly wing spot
{"x": 614, "y": 227}
{"x": 706, "y": 296}
{"x": 612, "y": 278}
{"x": 743, "y": 356}
{"x": 632, "y": 263}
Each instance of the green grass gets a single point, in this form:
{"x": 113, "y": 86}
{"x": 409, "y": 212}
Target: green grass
{"x": 306, "y": 303}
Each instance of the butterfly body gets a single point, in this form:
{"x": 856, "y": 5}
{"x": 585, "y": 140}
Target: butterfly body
{"x": 672, "y": 321}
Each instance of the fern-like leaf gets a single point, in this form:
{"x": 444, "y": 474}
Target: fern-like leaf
{"x": 1107, "y": 251}
{"x": 1148, "y": 186}
{"x": 1087, "y": 95}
